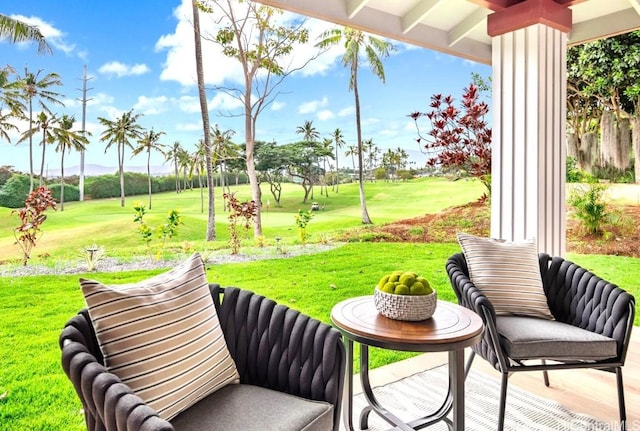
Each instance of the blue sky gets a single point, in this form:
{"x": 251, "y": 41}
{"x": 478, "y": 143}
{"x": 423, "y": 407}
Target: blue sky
{"x": 139, "y": 55}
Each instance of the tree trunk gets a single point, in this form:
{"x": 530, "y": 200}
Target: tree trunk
{"x": 589, "y": 152}
{"x": 635, "y": 139}
{"x": 204, "y": 110}
{"x": 149, "y": 173}
{"x": 363, "y": 204}
{"x": 573, "y": 148}
{"x": 256, "y": 193}
{"x": 62, "y": 181}
{"x": 44, "y": 150}
{"x": 608, "y": 139}
{"x": 623, "y": 155}
{"x": 30, "y": 147}
{"x": 121, "y": 171}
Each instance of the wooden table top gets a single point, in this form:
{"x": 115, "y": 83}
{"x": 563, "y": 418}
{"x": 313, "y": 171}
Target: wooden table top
{"x": 451, "y": 326}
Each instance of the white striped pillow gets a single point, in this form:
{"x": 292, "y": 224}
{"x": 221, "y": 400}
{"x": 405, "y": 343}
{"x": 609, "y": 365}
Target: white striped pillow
{"x": 162, "y": 336}
{"x": 508, "y": 273}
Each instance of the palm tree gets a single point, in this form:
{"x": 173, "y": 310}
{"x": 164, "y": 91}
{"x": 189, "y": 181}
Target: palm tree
{"x": 223, "y": 150}
{"x": 327, "y": 149}
{"x": 148, "y": 142}
{"x": 308, "y": 132}
{"x": 352, "y": 150}
{"x": 309, "y": 135}
{"x": 17, "y": 31}
{"x": 185, "y": 164}
{"x": 372, "y": 151}
{"x": 171, "y": 155}
{"x": 34, "y": 86}
{"x": 44, "y": 123}
{"x": 374, "y": 49}
{"x": 121, "y": 132}
{"x": 199, "y": 164}
{"x": 10, "y": 96}
{"x": 67, "y": 140}
{"x": 6, "y": 125}
{"x": 338, "y": 139}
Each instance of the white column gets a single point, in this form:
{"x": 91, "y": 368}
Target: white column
{"x": 529, "y": 116}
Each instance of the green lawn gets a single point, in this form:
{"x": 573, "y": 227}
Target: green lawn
{"x": 36, "y": 395}
{"x": 111, "y": 226}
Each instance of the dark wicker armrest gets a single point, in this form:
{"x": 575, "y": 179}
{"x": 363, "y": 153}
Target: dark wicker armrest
{"x": 469, "y": 296}
{"x": 280, "y": 348}
{"x": 108, "y": 403}
{"x": 580, "y": 298}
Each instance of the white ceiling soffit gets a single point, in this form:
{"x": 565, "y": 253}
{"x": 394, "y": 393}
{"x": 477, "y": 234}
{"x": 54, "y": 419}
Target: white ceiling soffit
{"x": 457, "y": 27}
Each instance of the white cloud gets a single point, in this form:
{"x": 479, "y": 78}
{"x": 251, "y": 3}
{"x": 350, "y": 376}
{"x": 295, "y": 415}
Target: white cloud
{"x": 219, "y": 69}
{"x": 312, "y": 106}
{"x": 345, "y": 112}
{"x": 325, "y": 114}
{"x": 151, "y": 105}
{"x": 115, "y": 68}
{"x": 189, "y": 127}
{"x": 388, "y": 132}
{"x": 54, "y": 37}
{"x": 189, "y": 104}
{"x": 277, "y": 106}
{"x": 223, "y": 101}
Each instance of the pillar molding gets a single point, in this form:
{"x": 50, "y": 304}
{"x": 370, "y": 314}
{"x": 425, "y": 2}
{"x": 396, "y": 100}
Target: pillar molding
{"x": 529, "y": 119}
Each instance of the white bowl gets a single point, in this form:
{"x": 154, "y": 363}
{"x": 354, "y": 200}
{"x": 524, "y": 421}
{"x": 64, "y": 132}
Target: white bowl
{"x": 405, "y": 307}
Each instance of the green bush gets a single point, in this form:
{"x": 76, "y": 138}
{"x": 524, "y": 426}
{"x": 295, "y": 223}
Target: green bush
{"x": 575, "y": 174}
{"x": 103, "y": 186}
{"x": 71, "y": 192}
{"x": 15, "y": 191}
{"x": 615, "y": 175}
{"x": 590, "y": 207}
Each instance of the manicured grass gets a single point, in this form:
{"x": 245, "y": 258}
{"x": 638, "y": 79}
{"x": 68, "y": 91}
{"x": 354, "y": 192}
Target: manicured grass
{"x": 36, "y": 395}
{"x": 106, "y": 223}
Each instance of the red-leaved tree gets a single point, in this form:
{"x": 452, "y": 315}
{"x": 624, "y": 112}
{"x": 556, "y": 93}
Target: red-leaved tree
{"x": 31, "y": 218}
{"x": 459, "y": 141}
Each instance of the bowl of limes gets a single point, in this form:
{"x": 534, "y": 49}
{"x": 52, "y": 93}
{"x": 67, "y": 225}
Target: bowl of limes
{"x": 405, "y": 295}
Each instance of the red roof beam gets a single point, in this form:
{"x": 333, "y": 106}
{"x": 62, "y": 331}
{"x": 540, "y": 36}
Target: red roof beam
{"x": 527, "y": 13}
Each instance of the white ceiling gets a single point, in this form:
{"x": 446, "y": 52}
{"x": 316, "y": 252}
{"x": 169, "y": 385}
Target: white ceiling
{"x": 457, "y": 27}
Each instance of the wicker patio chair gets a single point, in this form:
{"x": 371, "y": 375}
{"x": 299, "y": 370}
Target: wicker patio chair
{"x": 287, "y": 362}
{"x": 585, "y": 308}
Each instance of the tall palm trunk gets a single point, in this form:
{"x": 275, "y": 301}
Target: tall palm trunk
{"x": 30, "y": 146}
{"x": 363, "y": 204}
{"x": 149, "y": 173}
{"x": 337, "y": 174}
{"x": 121, "y": 171}
{"x": 44, "y": 150}
{"x": 62, "y": 181}
{"x": 211, "y": 221}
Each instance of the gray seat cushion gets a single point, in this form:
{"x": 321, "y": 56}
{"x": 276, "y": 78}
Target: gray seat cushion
{"x": 534, "y": 338}
{"x": 249, "y": 408}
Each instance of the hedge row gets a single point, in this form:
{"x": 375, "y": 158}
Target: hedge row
{"x": 15, "y": 189}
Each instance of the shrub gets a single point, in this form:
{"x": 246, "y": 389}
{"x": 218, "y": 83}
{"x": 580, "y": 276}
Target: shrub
{"x": 103, "y": 186}
{"x": 590, "y": 207}
{"x": 32, "y": 216}
{"x": 242, "y": 213}
{"x": 71, "y": 193}
{"x": 15, "y": 191}
{"x": 302, "y": 220}
{"x": 575, "y": 174}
